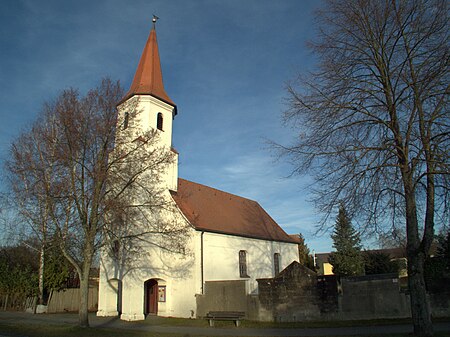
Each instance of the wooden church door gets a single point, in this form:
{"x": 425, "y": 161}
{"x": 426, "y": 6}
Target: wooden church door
{"x": 151, "y": 297}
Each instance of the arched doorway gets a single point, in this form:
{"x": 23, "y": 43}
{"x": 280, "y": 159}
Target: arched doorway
{"x": 151, "y": 297}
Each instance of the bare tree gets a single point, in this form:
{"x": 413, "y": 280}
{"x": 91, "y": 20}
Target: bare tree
{"x": 86, "y": 183}
{"x": 32, "y": 161}
{"x": 394, "y": 238}
{"x": 374, "y": 124}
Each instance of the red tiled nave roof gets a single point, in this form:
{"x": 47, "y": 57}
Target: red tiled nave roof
{"x": 211, "y": 210}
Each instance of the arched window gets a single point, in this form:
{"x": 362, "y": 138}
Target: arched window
{"x": 125, "y": 120}
{"x": 159, "y": 121}
{"x": 276, "y": 263}
{"x": 243, "y": 263}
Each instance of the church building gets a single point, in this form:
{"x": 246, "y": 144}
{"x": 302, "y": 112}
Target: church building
{"x": 229, "y": 237}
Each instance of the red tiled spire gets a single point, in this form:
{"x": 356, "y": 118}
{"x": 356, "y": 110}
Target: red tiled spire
{"x": 148, "y": 78}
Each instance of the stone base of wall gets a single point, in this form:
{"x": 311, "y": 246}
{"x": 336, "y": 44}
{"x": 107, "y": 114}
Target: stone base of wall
{"x": 132, "y": 317}
{"x": 103, "y": 313}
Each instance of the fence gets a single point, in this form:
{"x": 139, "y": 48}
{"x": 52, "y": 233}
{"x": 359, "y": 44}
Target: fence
{"x": 13, "y": 302}
{"x": 67, "y": 300}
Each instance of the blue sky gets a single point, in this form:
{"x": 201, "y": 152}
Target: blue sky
{"x": 225, "y": 64}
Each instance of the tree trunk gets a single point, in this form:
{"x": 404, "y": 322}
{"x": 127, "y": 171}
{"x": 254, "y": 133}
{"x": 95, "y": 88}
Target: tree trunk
{"x": 41, "y": 275}
{"x": 84, "y": 296}
{"x": 88, "y": 253}
{"x": 420, "y": 309}
{"x": 6, "y": 302}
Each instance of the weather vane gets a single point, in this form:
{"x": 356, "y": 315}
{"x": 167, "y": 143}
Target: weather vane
{"x": 155, "y": 18}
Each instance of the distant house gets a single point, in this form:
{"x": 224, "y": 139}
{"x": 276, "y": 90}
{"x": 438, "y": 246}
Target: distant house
{"x": 323, "y": 266}
{"x": 230, "y": 237}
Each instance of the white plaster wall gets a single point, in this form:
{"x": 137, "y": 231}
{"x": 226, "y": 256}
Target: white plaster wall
{"x": 143, "y": 111}
{"x": 174, "y": 270}
{"x": 147, "y": 108}
{"x": 108, "y": 287}
{"x": 221, "y": 257}
{"x": 182, "y": 273}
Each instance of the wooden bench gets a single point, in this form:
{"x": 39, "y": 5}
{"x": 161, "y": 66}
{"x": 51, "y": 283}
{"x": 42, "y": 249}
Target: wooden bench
{"x": 235, "y": 316}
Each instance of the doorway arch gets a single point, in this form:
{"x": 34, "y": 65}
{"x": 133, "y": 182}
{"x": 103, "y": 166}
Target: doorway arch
{"x": 151, "y": 297}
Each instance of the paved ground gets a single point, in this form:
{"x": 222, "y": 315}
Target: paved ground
{"x": 101, "y": 322}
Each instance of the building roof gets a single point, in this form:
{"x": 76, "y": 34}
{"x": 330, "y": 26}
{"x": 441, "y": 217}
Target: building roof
{"x": 322, "y": 258}
{"x": 211, "y": 210}
{"x": 148, "y": 77}
{"x": 394, "y": 253}
{"x": 296, "y": 238}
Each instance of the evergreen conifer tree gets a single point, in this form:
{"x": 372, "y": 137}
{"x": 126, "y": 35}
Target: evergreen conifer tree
{"x": 347, "y": 260}
{"x": 304, "y": 257}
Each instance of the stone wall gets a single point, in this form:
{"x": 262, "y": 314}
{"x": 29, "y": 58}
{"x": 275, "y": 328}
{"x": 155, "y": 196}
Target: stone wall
{"x": 290, "y": 296}
{"x": 298, "y": 294}
{"x": 327, "y": 292}
{"x": 374, "y": 296}
{"x": 440, "y": 302}
{"x": 222, "y": 296}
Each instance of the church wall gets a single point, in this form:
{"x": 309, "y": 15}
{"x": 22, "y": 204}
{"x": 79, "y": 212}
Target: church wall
{"x": 221, "y": 258}
{"x": 108, "y": 290}
{"x": 146, "y": 109}
{"x": 143, "y": 111}
{"x": 175, "y": 271}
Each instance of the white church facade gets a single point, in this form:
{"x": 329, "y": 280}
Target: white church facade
{"x": 228, "y": 237}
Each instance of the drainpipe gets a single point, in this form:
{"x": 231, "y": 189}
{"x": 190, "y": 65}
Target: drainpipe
{"x": 201, "y": 260}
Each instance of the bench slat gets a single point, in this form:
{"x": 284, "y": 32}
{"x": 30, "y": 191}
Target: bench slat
{"x": 226, "y": 313}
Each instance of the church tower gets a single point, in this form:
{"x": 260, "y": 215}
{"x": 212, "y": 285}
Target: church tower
{"x": 154, "y": 110}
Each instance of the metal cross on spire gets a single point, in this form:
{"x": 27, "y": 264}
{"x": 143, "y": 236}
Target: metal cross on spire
{"x": 155, "y": 18}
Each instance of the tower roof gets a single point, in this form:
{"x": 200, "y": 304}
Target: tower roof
{"x": 148, "y": 78}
